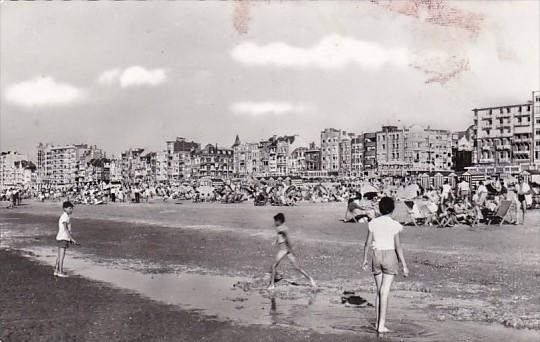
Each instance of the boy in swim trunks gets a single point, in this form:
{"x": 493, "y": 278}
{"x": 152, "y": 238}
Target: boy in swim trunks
{"x": 285, "y": 250}
{"x": 383, "y": 239}
{"x": 523, "y": 189}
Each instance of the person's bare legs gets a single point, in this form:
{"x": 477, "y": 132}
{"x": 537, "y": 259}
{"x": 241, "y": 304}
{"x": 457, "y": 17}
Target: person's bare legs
{"x": 280, "y": 255}
{"x": 299, "y": 269}
{"x": 60, "y": 260}
{"x": 378, "y": 283}
{"x": 523, "y": 208}
{"x": 57, "y": 262}
{"x": 387, "y": 280}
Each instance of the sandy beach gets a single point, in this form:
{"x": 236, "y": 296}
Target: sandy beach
{"x": 158, "y": 266}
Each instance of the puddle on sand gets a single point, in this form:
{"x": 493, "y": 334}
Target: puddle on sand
{"x": 216, "y": 296}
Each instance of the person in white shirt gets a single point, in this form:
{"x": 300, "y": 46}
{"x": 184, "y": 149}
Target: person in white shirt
{"x": 383, "y": 240}
{"x": 63, "y": 238}
{"x": 446, "y": 191}
{"x": 523, "y": 189}
{"x": 463, "y": 189}
{"x": 481, "y": 194}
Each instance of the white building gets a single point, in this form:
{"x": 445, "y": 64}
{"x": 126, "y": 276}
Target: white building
{"x": 64, "y": 165}
{"x": 536, "y": 128}
{"x": 15, "y": 170}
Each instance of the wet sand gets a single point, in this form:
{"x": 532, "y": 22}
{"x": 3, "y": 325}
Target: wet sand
{"x": 474, "y": 280}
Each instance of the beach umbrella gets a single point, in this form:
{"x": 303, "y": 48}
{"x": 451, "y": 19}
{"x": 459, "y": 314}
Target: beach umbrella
{"x": 367, "y": 187}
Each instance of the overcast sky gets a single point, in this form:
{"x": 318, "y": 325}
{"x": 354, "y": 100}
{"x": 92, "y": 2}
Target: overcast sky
{"x": 135, "y": 74}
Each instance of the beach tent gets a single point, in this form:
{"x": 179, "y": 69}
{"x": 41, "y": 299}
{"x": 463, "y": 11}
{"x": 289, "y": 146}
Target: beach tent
{"x": 367, "y": 188}
{"x": 424, "y": 180}
{"x": 452, "y": 177}
{"x": 409, "y": 192}
{"x": 401, "y": 212}
{"x": 438, "y": 180}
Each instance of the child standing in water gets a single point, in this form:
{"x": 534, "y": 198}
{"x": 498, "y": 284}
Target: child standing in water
{"x": 63, "y": 238}
{"x": 285, "y": 250}
{"x": 383, "y": 239}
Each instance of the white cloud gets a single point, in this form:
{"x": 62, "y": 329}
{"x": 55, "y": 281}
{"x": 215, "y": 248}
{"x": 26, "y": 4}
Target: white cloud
{"x": 133, "y": 76}
{"x": 266, "y": 108}
{"x": 109, "y": 76}
{"x": 332, "y": 52}
{"x": 42, "y": 91}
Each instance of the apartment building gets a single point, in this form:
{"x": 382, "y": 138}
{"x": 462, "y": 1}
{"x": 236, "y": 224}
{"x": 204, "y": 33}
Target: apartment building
{"x": 65, "y": 165}
{"x": 213, "y": 161}
{"x": 134, "y": 165}
{"x": 413, "y": 149}
{"x": 313, "y": 158}
{"x": 428, "y": 149}
{"x": 536, "y": 127}
{"x": 504, "y": 134}
{"x": 391, "y": 159}
{"x": 370, "y": 152}
{"x": 336, "y": 151}
{"x": 345, "y": 154}
{"x": 179, "y": 153}
{"x": 357, "y": 155}
{"x": 246, "y": 158}
{"x": 15, "y": 169}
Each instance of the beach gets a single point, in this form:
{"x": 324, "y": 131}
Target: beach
{"x": 151, "y": 264}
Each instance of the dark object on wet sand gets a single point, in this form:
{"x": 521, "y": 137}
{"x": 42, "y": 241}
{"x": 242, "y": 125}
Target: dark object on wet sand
{"x": 350, "y": 298}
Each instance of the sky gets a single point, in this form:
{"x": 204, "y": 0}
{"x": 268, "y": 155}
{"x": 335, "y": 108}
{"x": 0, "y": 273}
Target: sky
{"x": 136, "y": 74}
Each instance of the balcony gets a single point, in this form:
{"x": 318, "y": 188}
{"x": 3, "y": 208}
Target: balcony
{"x": 487, "y": 160}
{"x": 522, "y": 140}
{"x": 486, "y": 148}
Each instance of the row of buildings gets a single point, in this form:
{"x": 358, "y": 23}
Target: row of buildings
{"x": 500, "y": 139}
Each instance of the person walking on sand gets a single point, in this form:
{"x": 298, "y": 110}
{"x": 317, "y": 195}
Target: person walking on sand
{"x": 383, "y": 240}
{"x": 63, "y": 238}
{"x": 285, "y": 250}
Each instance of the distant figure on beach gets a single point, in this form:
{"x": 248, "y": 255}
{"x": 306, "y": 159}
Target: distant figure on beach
{"x": 285, "y": 250}
{"x": 446, "y": 191}
{"x": 357, "y": 210}
{"x": 523, "y": 190}
{"x": 383, "y": 240}
{"x": 63, "y": 238}
{"x": 464, "y": 189}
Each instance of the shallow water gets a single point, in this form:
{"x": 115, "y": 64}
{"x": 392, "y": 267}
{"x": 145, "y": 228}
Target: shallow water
{"x": 291, "y": 306}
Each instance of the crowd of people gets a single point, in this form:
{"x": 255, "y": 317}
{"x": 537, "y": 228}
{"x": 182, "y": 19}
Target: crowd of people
{"x": 447, "y": 205}
{"x": 491, "y": 200}
{"x": 14, "y": 195}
